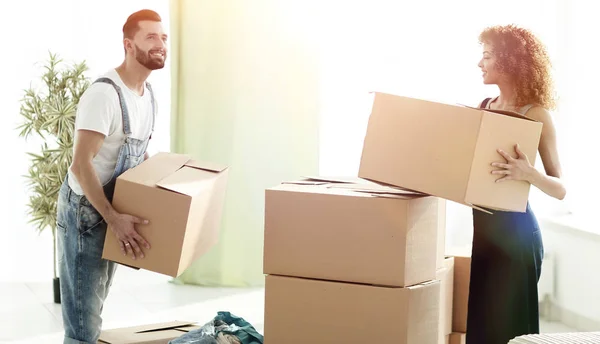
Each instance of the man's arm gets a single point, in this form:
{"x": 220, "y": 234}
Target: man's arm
{"x": 86, "y": 147}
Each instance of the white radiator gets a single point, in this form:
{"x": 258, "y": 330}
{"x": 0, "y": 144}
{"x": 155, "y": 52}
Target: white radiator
{"x": 546, "y": 286}
{"x": 558, "y": 338}
{"x": 546, "y": 283}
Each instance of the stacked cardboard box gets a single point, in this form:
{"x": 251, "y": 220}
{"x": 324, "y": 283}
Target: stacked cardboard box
{"x": 462, "y": 272}
{"x": 445, "y": 275}
{"x": 350, "y": 261}
{"x": 457, "y": 338}
{"x": 363, "y": 260}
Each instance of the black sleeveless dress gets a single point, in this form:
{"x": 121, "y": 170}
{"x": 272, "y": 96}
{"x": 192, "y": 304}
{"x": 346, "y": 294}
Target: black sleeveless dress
{"x": 505, "y": 269}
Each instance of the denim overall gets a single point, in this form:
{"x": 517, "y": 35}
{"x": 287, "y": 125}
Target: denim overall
{"x": 505, "y": 268}
{"x": 85, "y": 278}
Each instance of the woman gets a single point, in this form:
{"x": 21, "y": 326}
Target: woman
{"x": 507, "y": 246}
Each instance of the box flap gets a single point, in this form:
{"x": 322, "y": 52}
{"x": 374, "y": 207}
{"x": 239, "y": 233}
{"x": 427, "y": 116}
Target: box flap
{"x": 186, "y": 181}
{"x": 356, "y": 184}
{"x": 320, "y": 180}
{"x": 163, "y": 326}
{"x": 378, "y": 189}
{"x": 189, "y": 328}
{"x": 206, "y": 165}
{"x": 155, "y": 168}
{"x": 478, "y": 208}
{"x": 129, "y": 334}
{"x": 424, "y": 284}
{"x": 305, "y": 182}
{"x": 340, "y": 187}
{"x": 387, "y": 195}
{"x": 503, "y": 112}
{"x": 314, "y": 180}
{"x": 171, "y": 171}
{"x": 341, "y": 180}
{"x": 490, "y": 210}
{"x": 381, "y": 191}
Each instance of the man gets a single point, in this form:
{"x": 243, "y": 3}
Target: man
{"x": 114, "y": 123}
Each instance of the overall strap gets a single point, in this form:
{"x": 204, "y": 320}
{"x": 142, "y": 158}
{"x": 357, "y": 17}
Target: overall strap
{"x": 124, "y": 111}
{"x": 152, "y": 99}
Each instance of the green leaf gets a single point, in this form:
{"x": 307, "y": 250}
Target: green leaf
{"x": 49, "y": 111}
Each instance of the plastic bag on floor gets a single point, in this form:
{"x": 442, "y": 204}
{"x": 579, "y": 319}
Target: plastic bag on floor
{"x": 225, "y": 328}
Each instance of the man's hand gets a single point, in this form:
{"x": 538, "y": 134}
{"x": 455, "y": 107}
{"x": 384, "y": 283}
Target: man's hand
{"x": 123, "y": 226}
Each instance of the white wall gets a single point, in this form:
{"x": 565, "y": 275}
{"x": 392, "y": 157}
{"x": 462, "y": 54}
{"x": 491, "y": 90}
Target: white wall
{"x": 577, "y": 272}
{"x": 76, "y": 30}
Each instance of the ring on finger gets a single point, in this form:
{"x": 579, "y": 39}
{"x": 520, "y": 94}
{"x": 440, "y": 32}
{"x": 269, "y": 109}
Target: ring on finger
{"x": 127, "y": 244}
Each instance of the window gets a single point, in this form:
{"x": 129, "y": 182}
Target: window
{"x": 429, "y": 50}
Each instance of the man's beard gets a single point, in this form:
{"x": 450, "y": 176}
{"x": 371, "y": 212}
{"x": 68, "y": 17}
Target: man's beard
{"x": 148, "y": 61}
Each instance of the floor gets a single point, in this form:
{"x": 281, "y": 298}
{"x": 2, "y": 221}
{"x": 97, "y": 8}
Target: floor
{"x": 28, "y": 315}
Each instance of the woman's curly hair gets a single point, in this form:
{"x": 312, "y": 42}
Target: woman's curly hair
{"x": 523, "y": 58}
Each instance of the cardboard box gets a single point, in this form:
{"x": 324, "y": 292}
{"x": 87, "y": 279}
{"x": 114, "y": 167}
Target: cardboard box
{"x": 300, "y": 311}
{"x": 462, "y": 276}
{"x": 458, "y": 338}
{"x": 441, "y": 233}
{"x": 447, "y": 150}
{"x": 160, "y": 333}
{"x": 446, "y": 277}
{"x": 350, "y": 232}
{"x": 182, "y": 199}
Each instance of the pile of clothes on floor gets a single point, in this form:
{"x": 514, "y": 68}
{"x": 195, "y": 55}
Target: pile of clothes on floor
{"x": 225, "y": 328}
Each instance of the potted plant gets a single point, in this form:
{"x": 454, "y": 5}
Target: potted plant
{"x": 48, "y": 111}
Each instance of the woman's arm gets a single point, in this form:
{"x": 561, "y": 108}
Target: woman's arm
{"x": 549, "y": 182}
{"x": 521, "y": 169}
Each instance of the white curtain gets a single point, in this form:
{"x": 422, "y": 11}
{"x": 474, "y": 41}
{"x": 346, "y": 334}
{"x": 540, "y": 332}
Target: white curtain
{"x": 246, "y": 95}
{"x": 76, "y": 30}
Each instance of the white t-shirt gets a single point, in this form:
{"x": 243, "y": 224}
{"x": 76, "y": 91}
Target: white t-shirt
{"x": 99, "y": 110}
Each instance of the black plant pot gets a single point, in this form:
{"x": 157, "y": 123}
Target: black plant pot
{"x": 56, "y": 290}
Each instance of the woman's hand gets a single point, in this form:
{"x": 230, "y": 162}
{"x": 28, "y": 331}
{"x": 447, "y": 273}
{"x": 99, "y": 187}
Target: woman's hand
{"x": 514, "y": 168}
